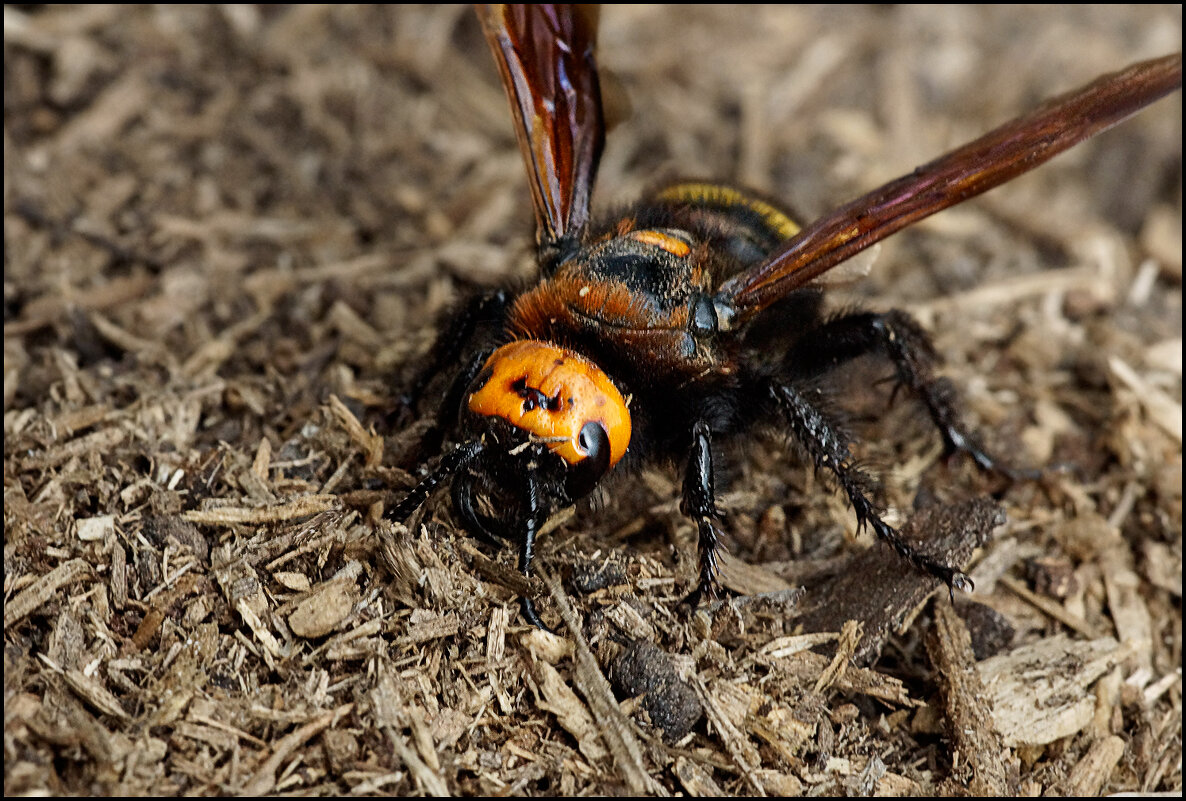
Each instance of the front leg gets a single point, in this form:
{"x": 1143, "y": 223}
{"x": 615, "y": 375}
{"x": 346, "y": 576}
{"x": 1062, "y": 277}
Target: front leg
{"x": 461, "y": 335}
{"x": 534, "y": 519}
{"x": 445, "y": 417}
{"x": 699, "y": 503}
{"x": 829, "y": 448}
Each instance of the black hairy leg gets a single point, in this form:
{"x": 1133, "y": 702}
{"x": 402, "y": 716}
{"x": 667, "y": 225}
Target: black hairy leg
{"x": 486, "y": 529}
{"x": 533, "y": 520}
{"x": 699, "y": 503}
{"x": 896, "y": 334}
{"x": 453, "y": 461}
{"x": 445, "y": 415}
{"x": 829, "y": 448}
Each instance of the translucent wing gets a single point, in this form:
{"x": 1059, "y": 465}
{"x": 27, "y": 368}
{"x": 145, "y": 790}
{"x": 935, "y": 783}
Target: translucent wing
{"x": 998, "y": 156}
{"x": 545, "y": 56}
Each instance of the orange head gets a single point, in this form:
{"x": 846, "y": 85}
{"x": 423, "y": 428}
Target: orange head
{"x": 561, "y": 398}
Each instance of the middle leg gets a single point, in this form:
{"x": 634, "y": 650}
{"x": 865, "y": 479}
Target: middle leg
{"x": 699, "y": 503}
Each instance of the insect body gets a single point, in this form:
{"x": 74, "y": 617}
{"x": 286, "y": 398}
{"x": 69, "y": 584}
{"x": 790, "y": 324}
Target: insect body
{"x": 690, "y": 318}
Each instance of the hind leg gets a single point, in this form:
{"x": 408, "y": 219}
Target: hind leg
{"x": 903, "y": 341}
{"x": 829, "y": 449}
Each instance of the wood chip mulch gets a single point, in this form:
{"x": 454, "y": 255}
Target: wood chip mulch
{"x": 229, "y": 235}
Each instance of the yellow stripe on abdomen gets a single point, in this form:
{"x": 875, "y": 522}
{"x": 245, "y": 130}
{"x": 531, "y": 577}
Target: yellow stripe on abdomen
{"x": 698, "y": 193}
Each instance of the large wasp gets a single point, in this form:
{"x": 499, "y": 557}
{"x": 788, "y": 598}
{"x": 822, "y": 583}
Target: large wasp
{"x": 692, "y": 317}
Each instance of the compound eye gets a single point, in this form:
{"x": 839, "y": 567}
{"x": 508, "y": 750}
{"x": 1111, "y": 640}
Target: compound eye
{"x": 704, "y": 316}
{"x": 584, "y": 475}
{"x": 594, "y": 441}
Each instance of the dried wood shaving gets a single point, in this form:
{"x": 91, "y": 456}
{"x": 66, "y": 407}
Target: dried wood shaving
{"x": 232, "y": 231}
{"x": 574, "y": 716}
{"x": 969, "y": 717}
{"x": 1038, "y": 692}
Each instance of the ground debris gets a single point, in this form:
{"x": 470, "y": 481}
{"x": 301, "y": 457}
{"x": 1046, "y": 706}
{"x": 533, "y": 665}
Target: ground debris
{"x": 1038, "y": 693}
{"x": 231, "y": 230}
{"x": 969, "y": 718}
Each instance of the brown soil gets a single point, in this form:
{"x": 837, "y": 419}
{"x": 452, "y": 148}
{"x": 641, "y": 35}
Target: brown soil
{"x": 229, "y": 233}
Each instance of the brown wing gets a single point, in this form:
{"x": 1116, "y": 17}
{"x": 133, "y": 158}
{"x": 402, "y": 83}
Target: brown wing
{"x": 998, "y": 156}
{"x": 545, "y": 56}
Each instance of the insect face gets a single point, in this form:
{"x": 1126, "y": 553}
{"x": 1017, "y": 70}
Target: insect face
{"x": 561, "y": 399}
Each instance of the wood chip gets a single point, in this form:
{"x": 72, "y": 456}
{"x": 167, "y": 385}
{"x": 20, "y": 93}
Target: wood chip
{"x": 560, "y": 700}
{"x": 238, "y": 515}
{"x": 1050, "y": 607}
{"x": 95, "y": 529}
{"x": 726, "y": 706}
{"x": 1091, "y": 773}
{"x": 100, "y": 441}
{"x": 846, "y": 646}
{"x": 746, "y": 579}
{"x": 325, "y": 609}
{"x": 1039, "y": 693}
{"x": 431, "y": 626}
{"x": 697, "y": 781}
{"x": 1161, "y": 408}
{"x": 629, "y": 621}
{"x": 615, "y": 727}
{"x": 1129, "y": 611}
{"x": 264, "y": 779}
{"x": 90, "y": 690}
{"x": 32, "y": 597}
{"x": 368, "y": 442}
{"x": 969, "y": 718}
